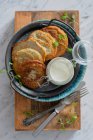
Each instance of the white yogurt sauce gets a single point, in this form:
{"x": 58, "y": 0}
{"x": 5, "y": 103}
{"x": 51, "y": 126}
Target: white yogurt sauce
{"x": 60, "y": 71}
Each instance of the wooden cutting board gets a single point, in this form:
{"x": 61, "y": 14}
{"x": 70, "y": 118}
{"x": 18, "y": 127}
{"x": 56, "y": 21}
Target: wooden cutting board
{"x": 24, "y": 106}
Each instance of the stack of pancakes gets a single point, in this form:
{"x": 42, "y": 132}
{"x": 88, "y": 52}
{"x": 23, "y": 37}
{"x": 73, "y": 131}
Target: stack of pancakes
{"x": 29, "y": 56}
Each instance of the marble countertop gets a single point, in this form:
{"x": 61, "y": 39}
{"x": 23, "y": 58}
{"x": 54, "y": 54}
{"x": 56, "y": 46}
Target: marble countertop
{"x": 7, "y": 12}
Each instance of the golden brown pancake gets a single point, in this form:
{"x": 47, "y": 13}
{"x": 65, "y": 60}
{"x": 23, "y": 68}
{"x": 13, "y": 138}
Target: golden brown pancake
{"x": 29, "y": 54}
{"x": 25, "y": 55}
{"x": 31, "y": 72}
{"x": 46, "y": 40}
{"x": 60, "y": 37}
{"x": 28, "y": 44}
{"x": 48, "y": 48}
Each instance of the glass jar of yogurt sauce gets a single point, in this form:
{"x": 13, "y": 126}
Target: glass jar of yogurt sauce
{"x": 60, "y": 70}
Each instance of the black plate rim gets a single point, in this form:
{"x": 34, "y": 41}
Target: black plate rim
{"x": 8, "y": 48}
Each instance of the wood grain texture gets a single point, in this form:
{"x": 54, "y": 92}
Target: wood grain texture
{"x": 23, "y": 104}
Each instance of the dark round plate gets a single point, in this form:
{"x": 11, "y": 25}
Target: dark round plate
{"x": 51, "y": 90}
{"x": 50, "y": 86}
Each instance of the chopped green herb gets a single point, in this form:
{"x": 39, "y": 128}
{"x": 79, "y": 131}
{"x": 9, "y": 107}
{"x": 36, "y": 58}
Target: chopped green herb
{"x": 69, "y": 50}
{"x": 71, "y": 18}
{"x": 61, "y": 123}
{"x": 74, "y": 117}
{"x": 28, "y": 114}
{"x": 17, "y": 77}
{"x": 60, "y": 36}
{"x": 71, "y": 120}
{"x": 64, "y": 16}
{"x": 2, "y": 71}
{"x": 55, "y": 44}
{"x": 59, "y": 120}
{"x": 67, "y": 121}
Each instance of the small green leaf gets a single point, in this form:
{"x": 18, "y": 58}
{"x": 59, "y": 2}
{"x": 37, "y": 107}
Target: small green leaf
{"x": 17, "y": 77}
{"x": 71, "y": 120}
{"x": 68, "y": 121}
{"x": 60, "y": 36}
{"x": 64, "y": 16}
{"x": 74, "y": 63}
{"x": 72, "y": 19}
{"x": 69, "y": 50}
{"x": 74, "y": 117}
{"x": 56, "y": 44}
{"x": 2, "y": 71}
{"x": 61, "y": 123}
{"x": 59, "y": 120}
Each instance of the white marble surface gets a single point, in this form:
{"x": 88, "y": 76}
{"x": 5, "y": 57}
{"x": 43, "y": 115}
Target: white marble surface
{"x": 7, "y": 11}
